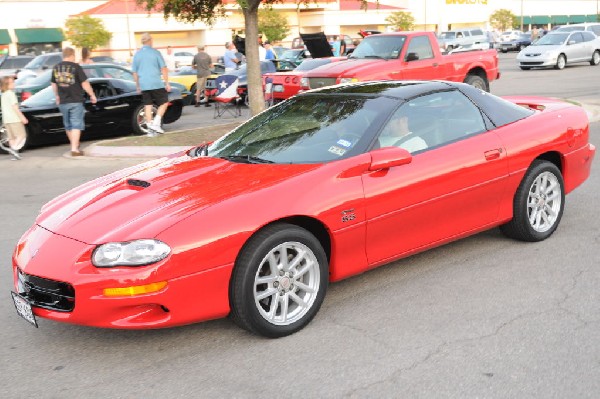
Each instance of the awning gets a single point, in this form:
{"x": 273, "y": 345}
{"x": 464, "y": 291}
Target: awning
{"x": 39, "y": 35}
{"x": 4, "y": 37}
{"x": 577, "y": 19}
{"x": 560, "y": 19}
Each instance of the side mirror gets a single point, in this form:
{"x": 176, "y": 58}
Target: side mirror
{"x": 570, "y": 42}
{"x": 388, "y": 157}
{"x": 411, "y": 57}
{"x": 44, "y": 67}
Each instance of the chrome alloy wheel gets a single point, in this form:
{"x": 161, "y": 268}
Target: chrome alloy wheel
{"x": 544, "y": 202}
{"x": 141, "y": 118}
{"x": 286, "y": 283}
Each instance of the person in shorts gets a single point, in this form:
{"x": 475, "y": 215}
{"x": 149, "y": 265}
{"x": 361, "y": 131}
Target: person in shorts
{"x": 202, "y": 63}
{"x": 148, "y": 68}
{"x": 69, "y": 82}
{"x": 13, "y": 119}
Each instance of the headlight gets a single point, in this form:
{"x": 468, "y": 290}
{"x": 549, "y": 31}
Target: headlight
{"x": 348, "y": 80}
{"x": 132, "y": 253}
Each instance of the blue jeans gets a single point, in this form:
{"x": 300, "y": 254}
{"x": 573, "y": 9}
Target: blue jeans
{"x": 73, "y": 114}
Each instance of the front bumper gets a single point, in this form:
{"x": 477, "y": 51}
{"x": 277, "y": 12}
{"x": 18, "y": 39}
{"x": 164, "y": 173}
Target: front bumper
{"x": 42, "y": 256}
{"x": 537, "y": 61}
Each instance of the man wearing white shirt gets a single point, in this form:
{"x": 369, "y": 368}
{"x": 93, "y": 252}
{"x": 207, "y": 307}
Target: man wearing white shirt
{"x": 397, "y": 134}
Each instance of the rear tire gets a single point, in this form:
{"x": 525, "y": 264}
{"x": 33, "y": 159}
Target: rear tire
{"x": 538, "y": 203}
{"x": 595, "y": 58}
{"x": 561, "y": 62}
{"x": 478, "y": 82}
{"x": 138, "y": 121}
{"x": 279, "y": 281}
{"x": 193, "y": 90}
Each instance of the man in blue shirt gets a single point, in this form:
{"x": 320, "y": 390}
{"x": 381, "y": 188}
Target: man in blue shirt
{"x": 148, "y": 66}
{"x": 270, "y": 54}
{"x": 229, "y": 58}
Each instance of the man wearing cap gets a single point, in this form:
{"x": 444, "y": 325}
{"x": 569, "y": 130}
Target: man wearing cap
{"x": 203, "y": 64}
{"x": 148, "y": 66}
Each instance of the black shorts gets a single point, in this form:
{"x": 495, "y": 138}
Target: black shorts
{"x": 155, "y": 97}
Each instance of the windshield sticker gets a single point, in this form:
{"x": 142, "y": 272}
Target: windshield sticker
{"x": 344, "y": 143}
{"x": 336, "y": 150}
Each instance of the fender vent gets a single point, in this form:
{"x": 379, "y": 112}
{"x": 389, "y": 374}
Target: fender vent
{"x": 138, "y": 183}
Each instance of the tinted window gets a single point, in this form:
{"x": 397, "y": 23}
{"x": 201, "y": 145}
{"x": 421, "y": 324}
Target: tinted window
{"x": 312, "y": 64}
{"x": 500, "y": 111}
{"x": 447, "y": 35}
{"x": 123, "y": 86}
{"x": 595, "y": 29}
{"x": 308, "y": 129}
{"x": 103, "y": 90}
{"x": 588, "y": 36}
{"x": 420, "y": 46}
{"x": 117, "y": 73}
{"x": 378, "y": 46}
{"x": 14, "y": 63}
{"x": 576, "y": 37}
{"x": 476, "y": 32}
{"x": 91, "y": 72}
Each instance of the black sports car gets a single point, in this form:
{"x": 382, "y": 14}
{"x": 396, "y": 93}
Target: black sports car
{"x": 118, "y": 111}
{"x": 517, "y": 44}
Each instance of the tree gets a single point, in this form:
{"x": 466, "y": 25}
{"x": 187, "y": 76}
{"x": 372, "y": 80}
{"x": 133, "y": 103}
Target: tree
{"x": 401, "y": 20}
{"x": 503, "y": 19}
{"x": 85, "y": 31}
{"x": 273, "y": 24}
{"x": 208, "y": 11}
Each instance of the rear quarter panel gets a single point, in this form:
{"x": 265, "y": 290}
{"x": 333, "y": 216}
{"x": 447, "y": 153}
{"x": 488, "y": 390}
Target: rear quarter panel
{"x": 458, "y": 65}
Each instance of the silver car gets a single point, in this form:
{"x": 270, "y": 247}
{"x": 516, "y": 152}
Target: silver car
{"x": 558, "y": 49}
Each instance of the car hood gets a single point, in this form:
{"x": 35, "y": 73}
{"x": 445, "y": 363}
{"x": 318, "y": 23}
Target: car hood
{"x": 534, "y": 49}
{"x": 364, "y": 67}
{"x": 317, "y": 44}
{"x": 142, "y": 201}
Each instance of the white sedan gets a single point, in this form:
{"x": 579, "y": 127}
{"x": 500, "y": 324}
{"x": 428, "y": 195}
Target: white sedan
{"x": 558, "y": 49}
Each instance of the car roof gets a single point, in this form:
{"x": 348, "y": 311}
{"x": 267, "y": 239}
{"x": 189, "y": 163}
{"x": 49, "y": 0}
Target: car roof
{"x": 402, "y": 90}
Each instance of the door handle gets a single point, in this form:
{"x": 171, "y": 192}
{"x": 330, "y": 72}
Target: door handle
{"x": 493, "y": 154}
{"x": 435, "y": 64}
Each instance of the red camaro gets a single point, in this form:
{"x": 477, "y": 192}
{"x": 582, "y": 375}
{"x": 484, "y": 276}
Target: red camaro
{"x": 321, "y": 187}
{"x": 288, "y": 84}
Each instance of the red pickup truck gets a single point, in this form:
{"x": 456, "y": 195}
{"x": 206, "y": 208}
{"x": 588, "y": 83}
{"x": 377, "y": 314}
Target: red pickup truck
{"x": 406, "y": 56}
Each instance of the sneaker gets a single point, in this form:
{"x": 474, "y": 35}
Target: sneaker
{"x": 156, "y": 128}
{"x": 77, "y": 153}
{"x": 152, "y": 133}
{"x": 15, "y": 154}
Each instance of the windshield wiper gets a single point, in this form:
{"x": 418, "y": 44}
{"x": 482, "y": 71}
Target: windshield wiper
{"x": 246, "y": 159}
{"x": 375, "y": 56}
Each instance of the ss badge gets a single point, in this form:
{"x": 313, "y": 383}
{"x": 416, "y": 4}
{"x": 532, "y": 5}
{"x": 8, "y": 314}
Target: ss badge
{"x": 348, "y": 215}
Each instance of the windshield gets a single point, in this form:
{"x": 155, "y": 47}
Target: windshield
{"x": 14, "y": 63}
{"x": 312, "y": 64}
{"x": 447, "y": 35}
{"x": 307, "y": 129}
{"x": 386, "y": 47}
{"x": 290, "y": 54}
{"x": 40, "y": 99}
{"x": 552, "y": 39}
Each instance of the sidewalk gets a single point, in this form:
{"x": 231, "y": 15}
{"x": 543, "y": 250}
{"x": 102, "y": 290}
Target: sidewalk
{"x": 197, "y": 125}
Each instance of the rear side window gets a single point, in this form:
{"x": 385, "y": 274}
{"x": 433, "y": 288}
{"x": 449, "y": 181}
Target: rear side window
{"x": 577, "y": 37}
{"x": 476, "y": 32}
{"x": 595, "y": 29}
{"x": 588, "y": 36}
{"x": 500, "y": 111}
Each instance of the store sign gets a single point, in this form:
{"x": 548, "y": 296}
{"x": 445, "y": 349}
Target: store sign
{"x": 484, "y": 2}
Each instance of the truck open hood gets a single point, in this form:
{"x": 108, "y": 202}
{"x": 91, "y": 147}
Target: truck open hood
{"x": 317, "y": 44}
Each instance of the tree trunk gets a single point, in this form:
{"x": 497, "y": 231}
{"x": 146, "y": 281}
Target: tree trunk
{"x": 255, "y": 89}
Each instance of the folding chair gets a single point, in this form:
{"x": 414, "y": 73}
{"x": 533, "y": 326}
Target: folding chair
{"x": 227, "y": 99}
{"x": 269, "y": 92}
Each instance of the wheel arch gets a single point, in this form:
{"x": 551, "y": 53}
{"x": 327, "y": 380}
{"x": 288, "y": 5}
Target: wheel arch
{"x": 479, "y": 71}
{"x": 554, "y": 157}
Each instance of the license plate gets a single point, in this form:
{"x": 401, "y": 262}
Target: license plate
{"x": 278, "y": 88}
{"x": 24, "y": 308}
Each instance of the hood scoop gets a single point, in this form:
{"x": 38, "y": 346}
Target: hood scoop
{"x": 138, "y": 183}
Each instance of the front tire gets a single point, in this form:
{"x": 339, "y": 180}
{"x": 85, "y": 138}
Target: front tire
{"x": 561, "y": 62}
{"x": 595, "y": 58}
{"x": 138, "y": 120}
{"x": 279, "y": 281}
{"x": 477, "y": 81}
{"x": 538, "y": 203}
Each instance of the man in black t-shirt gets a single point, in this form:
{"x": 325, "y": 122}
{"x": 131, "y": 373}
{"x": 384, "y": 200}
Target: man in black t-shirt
{"x": 68, "y": 82}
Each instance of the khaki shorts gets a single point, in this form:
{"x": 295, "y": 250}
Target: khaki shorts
{"x": 201, "y": 84}
{"x": 16, "y": 135}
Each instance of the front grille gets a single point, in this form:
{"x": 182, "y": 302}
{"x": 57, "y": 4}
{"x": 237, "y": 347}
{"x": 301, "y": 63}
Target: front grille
{"x": 45, "y": 293}
{"x": 531, "y": 63}
{"x": 315, "y": 83}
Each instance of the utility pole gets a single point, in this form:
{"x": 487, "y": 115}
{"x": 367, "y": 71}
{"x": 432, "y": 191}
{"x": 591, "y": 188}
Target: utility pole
{"x": 522, "y": 15}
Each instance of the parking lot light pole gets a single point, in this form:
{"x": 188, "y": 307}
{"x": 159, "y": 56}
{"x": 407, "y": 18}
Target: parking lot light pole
{"x": 522, "y": 15}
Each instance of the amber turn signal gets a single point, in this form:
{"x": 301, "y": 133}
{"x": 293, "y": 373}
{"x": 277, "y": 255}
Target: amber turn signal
{"x": 135, "y": 290}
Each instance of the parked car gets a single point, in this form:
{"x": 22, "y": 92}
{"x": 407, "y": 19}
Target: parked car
{"x": 558, "y": 49}
{"x": 406, "y": 56}
{"x": 183, "y": 58}
{"x": 105, "y": 59}
{"x": 10, "y": 65}
{"x": 40, "y": 64}
{"x": 288, "y": 84}
{"x": 587, "y": 26}
{"x": 182, "y": 239}
{"x": 509, "y": 35}
{"x": 461, "y": 38}
{"x": 28, "y": 87}
{"x": 518, "y": 44}
{"x": 242, "y": 74}
{"x": 296, "y": 56}
{"x": 119, "y": 110}
{"x": 279, "y": 50}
